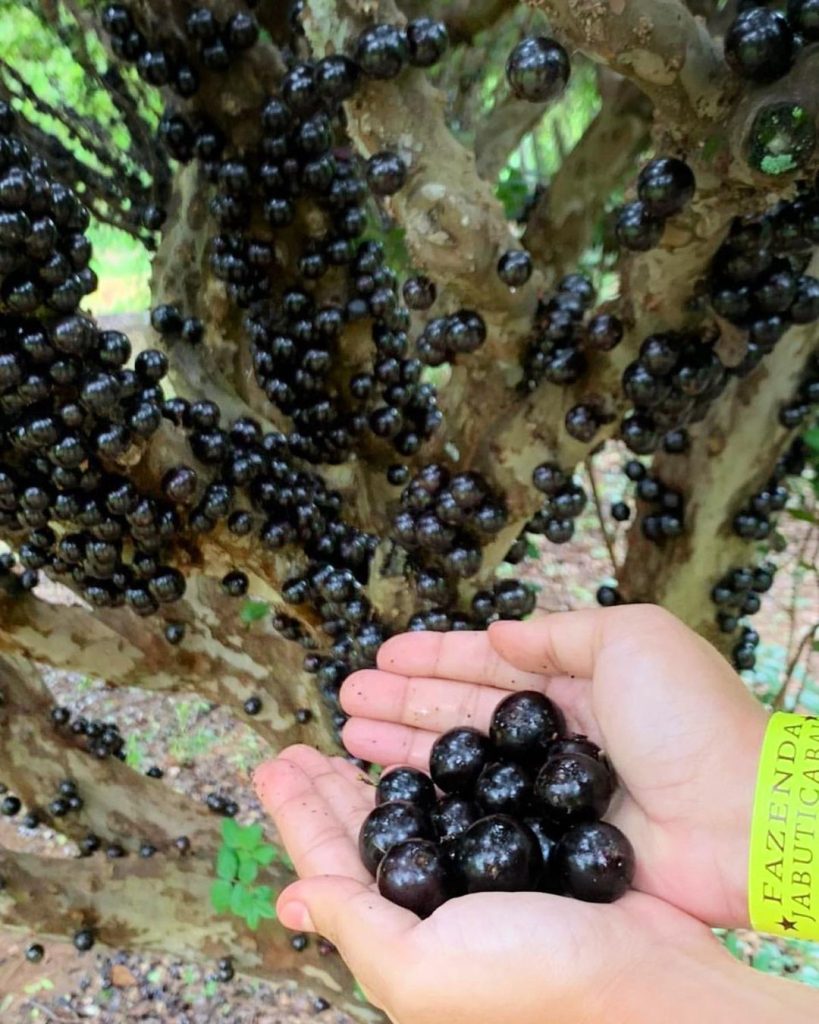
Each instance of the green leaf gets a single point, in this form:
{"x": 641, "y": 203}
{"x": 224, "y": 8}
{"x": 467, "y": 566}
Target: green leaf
{"x": 220, "y": 894}
{"x": 811, "y": 439}
{"x": 264, "y": 854}
{"x": 802, "y": 515}
{"x": 241, "y": 900}
{"x": 250, "y": 837}
{"x": 227, "y": 863}
{"x": 248, "y": 868}
{"x": 263, "y": 893}
{"x": 231, "y": 833}
{"x": 252, "y": 917}
{"x": 532, "y": 550}
{"x": 253, "y": 611}
{"x": 266, "y": 910}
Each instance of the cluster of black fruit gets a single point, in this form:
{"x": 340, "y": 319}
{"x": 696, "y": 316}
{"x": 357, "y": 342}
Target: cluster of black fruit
{"x": 520, "y": 811}
{"x": 794, "y": 413}
{"x": 736, "y": 595}
{"x": 564, "y": 501}
{"x": 209, "y": 45}
{"x": 762, "y": 44}
{"x": 667, "y": 520}
{"x": 70, "y": 410}
{"x": 671, "y": 384}
{"x": 665, "y": 187}
{"x": 561, "y": 342}
{"x": 297, "y": 169}
{"x": 444, "y": 519}
{"x": 757, "y": 279}
{"x": 754, "y": 521}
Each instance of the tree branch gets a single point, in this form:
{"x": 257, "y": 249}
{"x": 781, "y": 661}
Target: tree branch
{"x": 221, "y": 659}
{"x": 561, "y": 226}
{"x": 121, "y": 805}
{"x": 658, "y": 44}
{"x": 162, "y": 906}
{"x": 731, "y": 456}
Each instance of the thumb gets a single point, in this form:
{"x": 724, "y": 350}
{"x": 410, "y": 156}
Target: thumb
{"x": 364, "y": 926}
{"x": 564, "y": 643}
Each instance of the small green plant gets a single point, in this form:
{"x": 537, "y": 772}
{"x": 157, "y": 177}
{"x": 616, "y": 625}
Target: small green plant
{"x": 253, "y": 611}
{"x": 242, "y": 853}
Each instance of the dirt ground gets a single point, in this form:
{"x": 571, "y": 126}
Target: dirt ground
{"x": 200, "y": 746}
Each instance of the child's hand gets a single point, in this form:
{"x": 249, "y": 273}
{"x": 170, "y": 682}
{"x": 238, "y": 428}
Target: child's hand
{"x": 491, "y": 958}
{"x": 681, "y": 729}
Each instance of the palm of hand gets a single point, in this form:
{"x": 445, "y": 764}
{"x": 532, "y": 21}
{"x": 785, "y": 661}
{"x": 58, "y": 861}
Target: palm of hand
{"x": 679, "y": 726}
{"x": 449, "y": 965}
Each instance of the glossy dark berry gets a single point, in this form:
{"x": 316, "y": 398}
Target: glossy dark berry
{"x": 666, "y": 186}
{"x": 515, "y": 268}
{"x": 10, "y": 806}
{"x": 503, "y": 788}
{"x": 524, "y": 725}
{"x": 497, "y": 854}
{"x": 252, "y": 706}
{"x": 415, "y": 874}
{"x": 235, "y": 584}
{"x": 389, "y": 824}
{"x": 35, "y": 953}
{"x": 595, "y": 862}
{"x": 760, "y": 45}
{"x": 538, "y": 69}
{"x": 386, "y": 173}
{"x": 453, "y": 815}
{"x": 637, "y": 229}
{"x": 419, "y": 292}
{"x": 571, "y": 788}
{"x": 83, "y": 940}
{"x": 604, "y": 332}
{"x": 582, "y": 423}
{"x": 406, "y": 784}
{"x": 382, "y": 51}
{"x": 458, "y": 758}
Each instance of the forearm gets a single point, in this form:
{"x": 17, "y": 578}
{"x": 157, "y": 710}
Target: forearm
{"x": 696, "y": 990}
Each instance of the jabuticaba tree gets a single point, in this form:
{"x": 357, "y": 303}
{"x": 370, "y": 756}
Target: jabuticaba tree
{"x": 366, "y": 386}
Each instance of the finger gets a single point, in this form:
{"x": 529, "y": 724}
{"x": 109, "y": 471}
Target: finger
{"x": 367, "y": 930}
{"x": 420, "y": 701}
{"x": 572, "y": 643}
{"x": 436, "y": 705}
{"x": 466, "y": 657}
{"x": 317, "y": 841}
{"x": 564, "y": 643}
{"x": 351, "y": 798}
{"x": 387, "y": 743}
{"x": 351, "y": 771}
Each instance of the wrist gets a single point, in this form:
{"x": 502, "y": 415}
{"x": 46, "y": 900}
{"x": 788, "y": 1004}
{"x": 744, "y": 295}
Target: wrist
{"x": 738, "y": 801}
{"x": 709, "y": 984}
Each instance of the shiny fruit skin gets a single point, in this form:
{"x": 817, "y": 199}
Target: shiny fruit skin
{"x": 497, "y": 854}
{"x": 407, "y": 784}
{"x": 415, "y": 875}
{"x": 595, "y": 862}
{"x": 389, "y": 824}
{"x": 572, "y": 788}
{"x": 524, "y": 725}
{"x": 458, "y": 758}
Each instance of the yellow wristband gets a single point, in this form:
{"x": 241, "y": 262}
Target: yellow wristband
{"x": 783, "y": 883}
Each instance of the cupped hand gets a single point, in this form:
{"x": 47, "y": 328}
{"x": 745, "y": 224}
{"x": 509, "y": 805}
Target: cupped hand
{"x": 491, "y": 958}
{"x": 677, "y": 722}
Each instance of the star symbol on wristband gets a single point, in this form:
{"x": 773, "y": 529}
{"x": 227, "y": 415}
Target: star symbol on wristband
{"x": 787, "y": 925}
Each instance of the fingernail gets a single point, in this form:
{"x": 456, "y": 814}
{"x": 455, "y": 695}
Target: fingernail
{"x": 296, "y": 916}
